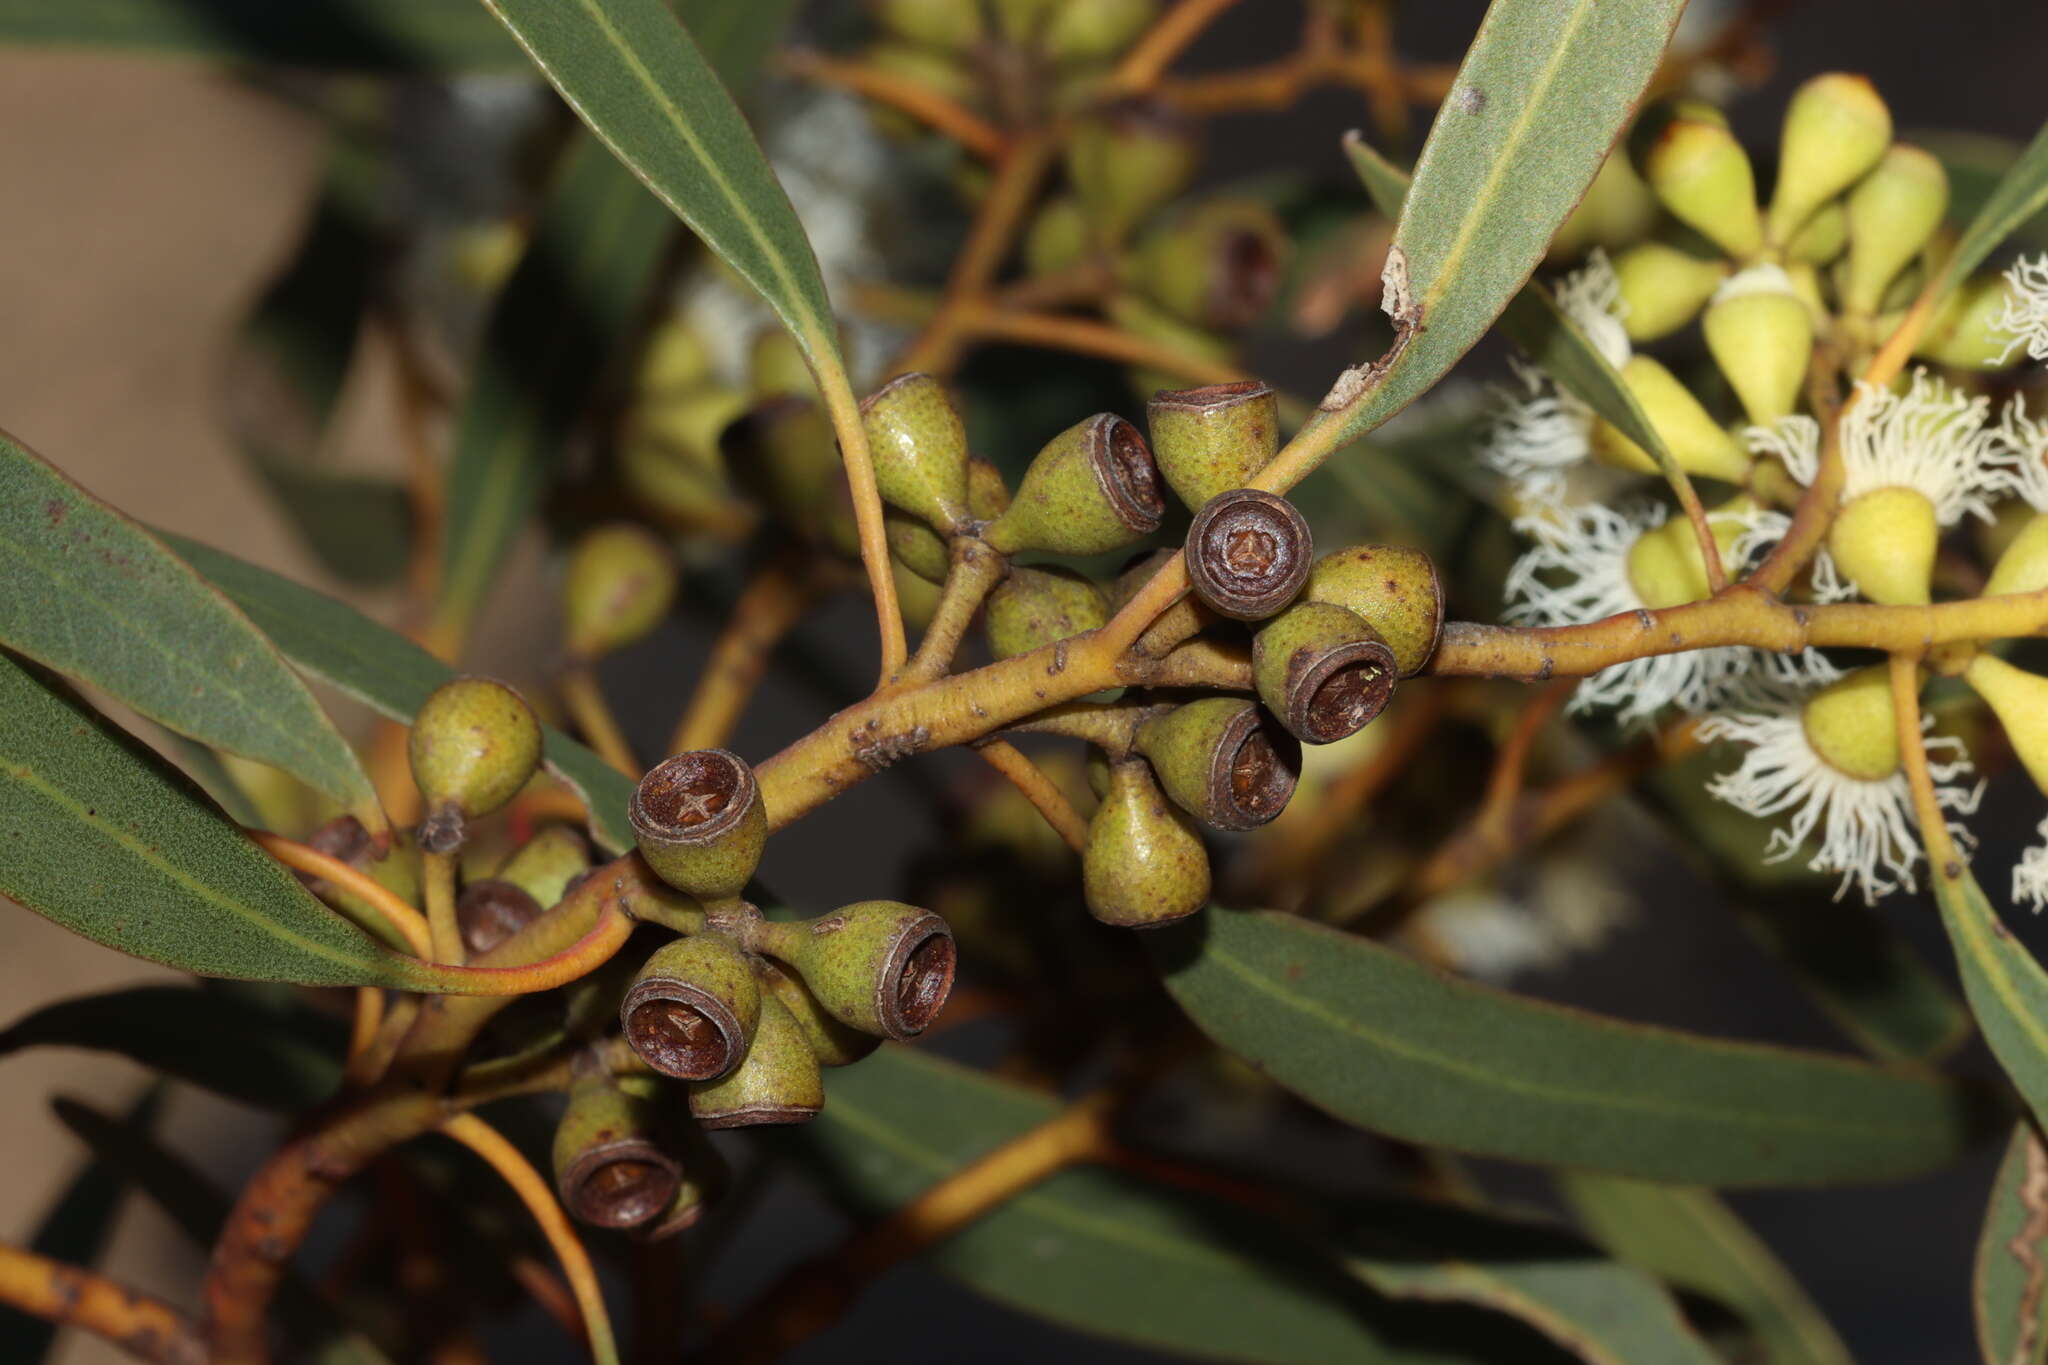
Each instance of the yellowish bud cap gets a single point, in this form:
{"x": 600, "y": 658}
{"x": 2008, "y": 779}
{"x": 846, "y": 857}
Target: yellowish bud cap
{"x": 1851, "y": 726}
{"x": 1964, "y": 331}
{"x": 1761, "y": 337}
{"x": 1885, "y": 541}
{"x": 1892, "y": 213}
{"x": 2020, "y": 700}
{"x": 1836, "y": 127}
{"x": 1663, "y": 288}
{"x": 2023, "y": 567}
{"x": 1823, "y": 237}
{"x": 1701, "y": 174}
{"x": 1665, "y": 568}
{"x": 1695, "y": 439}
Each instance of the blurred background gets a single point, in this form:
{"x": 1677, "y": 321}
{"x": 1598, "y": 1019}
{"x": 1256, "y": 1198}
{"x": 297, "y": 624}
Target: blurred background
{"x": 149, "y": 201}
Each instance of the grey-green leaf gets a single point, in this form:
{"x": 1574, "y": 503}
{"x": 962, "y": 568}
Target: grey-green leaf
{"x": 1689, "y": 1237}
{"x": 2019, "y": 196}
{"x": 1543, "y": 92}
{"x": 339, "y": 645}
{"x": 333, "y": 35}
{"x": 101, "y": 835}
{"x": 95, "y": 596}
{"x": 1381, "y": 1040}
{"x": 2010, "y": 1293}
{"x": 2006, "y": 988}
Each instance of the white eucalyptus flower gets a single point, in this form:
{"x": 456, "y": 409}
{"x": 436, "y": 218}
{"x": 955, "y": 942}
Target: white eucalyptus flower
{"x": 2025, "y": 315}
{"x": 2030, "y": 874}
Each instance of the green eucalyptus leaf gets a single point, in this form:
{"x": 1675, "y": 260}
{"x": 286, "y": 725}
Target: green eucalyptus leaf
{"x": 2020, "y": 195}
{"x": 1691, "y": 1239}
{"x": 1543, "y": 92}
{"x": 388, "y": 672}
{"x": 1383, "y": 1041}
{"x": 95, "y": 596}
{"x": 1109, "y": 1253}
{"x": 1977, "y": 163}
{"x": 205, "y": 1038}
{"x": 2006, "y": 988}
{"x": 2010, "y": 1293}
{"x": 338, "y": 35}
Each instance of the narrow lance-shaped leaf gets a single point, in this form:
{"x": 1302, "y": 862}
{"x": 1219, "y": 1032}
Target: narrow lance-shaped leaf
{"x": 2010, "y": 1293}
{"x": 2019, "y": 196}
{"x": 1385, "y": 1042}
{"x": 339, "y": 645}
{"x": 1690, "y": 1238}
{"x": 1542, "y": 93}
{"x": 332, "y": 35}
{"x": 97, "y": 597}
{"x": 2006, "y": 988}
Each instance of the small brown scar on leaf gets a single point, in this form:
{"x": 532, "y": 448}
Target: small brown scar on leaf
{"x": 1397, "y": 301}
{"x": 1470, "y": 100}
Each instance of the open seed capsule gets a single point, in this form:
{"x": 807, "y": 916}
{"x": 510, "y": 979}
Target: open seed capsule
{"x": 1322, "y": 670}
{"x": 699, "y": 822}
{"x": 882, "y": 967}
{"x": 1212, "y": 439}
{"x": 610, "y": 1169}
{"x": 778, "y": 1082}
{"x": 1393, "y": 588}
{"x": 692, "y": 1007}
{"x": 1223, "y": 761}
{"x": 1248, "y": 553}
{"x": 1091, "y": 489}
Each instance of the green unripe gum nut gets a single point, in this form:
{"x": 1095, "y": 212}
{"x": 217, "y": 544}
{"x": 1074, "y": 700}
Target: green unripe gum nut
{"x": 545, "y": 865}
{"x": 692, "y": 1007}
{"x": 1091, "y": 489}
{"x": 778, "y": 1082}
{"x": 1964, "y": 331}
{"x": 1038, "y": 606}
{"x": 1851, "y": 726}
{"x": 2020, "y": 700}
{"x": 1823, "y": 237}
{"x": 1618, "y": 209}
{"x": 1217, "y": 266}
{"x": 474, "y": 743}
{"x": 1214, "y": 438}
{"x": 1696, "y": 441}
{"x": 881, "y": 967}
{"x": 1322, "y": 670}
{"x": 699, "y": 822}
{"x": 1144, "y": 864}
{"x": 621, "y": 581}
{"x": 1761, "y": 337}
{"x": 1086, "y": 31}
{"x": 1893, "y": 211}
{"x": 1223, "y": 761}
{"x": 674, "y": 360}
{"x": 832, "y": 1042}
{"x": 1700, "y": 173}
{"x": 1663, "y": 288}
{"x": 1126, "y": 160}
{"x": 1836, "y": 127}
{"x": 609, "y": 1169}
{"x": 1057, "y": 238}
{"x": 2023, "y": 565}
{"x": 1393, "y": 589}
{"x": 919, "y": 448}
{"x": 1885, "y": 540}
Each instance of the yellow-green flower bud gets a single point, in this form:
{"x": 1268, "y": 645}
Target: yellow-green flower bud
{"x": 1893, "y": 211}
{"x": 832, "y": 1042}
{"x": 1087, "y": 31}
{"x": 1125, "y": 161}
{"x": 621, "y": 581}
{"x": 776, "y": 367}
{"x": 474, "y": 744}
{"x": 699, "y": 822}
{"x": 778, "y": 1082}
{"x": 2023, "y": 565}
{"x": 919, "y": 448}
{"x": 692, "y": 1007}
{"x": 1663, "y": 288}
{"x": 1836, "y": 127}
{"x": 1216, "y": 266}
{"x": 1057, "y": 238}
{"x": 1664, "y": 565}
{"x": 1034, "y": 607}
{"x": 545, "y": 865}
{"x": 2020, "y": 700}
{"x": 1805, "y": 282}
{"x": 917, "y": 597}
{"x": 881, "y": 967}
{"x": 675, "y": 359}
{"x": 1701, "y": 174}
{"x": 1223, "y": 761}
{"x": 1144, "y": 864}
{"x": 1823, "y": 237}
{"x": 1322, "y": 670}
{"x": 1761, "y": 337}
{"x": 1851, "y": 726}
{"x": 1696, "y": 441}
{"x": 1214, "y": 438}
{"x": 1964, "y": 331}
{"x": 1393, "y": 589}
{"x": 915, "y": 545}
{"x": 1091, "y": 489}
{"x": 947, "y": 25}
{"x": 1885, "y": 540}
{"x": 1248, "y": 553}
{"x": 610, "y": 1169}
{"x": 1618, "y": 209}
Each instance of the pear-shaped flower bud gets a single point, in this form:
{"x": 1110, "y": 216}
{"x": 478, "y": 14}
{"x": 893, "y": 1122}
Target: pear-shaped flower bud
{"x": 675, "y": 359}
{"x": 1885, "y": 541}
{"x": 1091, "y": 489}
{"x": 915, "y": 545}
{"x": 1823, "y": 237}
{"x": 1701, "y": 174}
{"x": 1088, "y": 31}
{"x": 621, "y": 581}
{"x": 1144, "y": 864}
{"x": 1618, "y": 210}
{"x": 1964, "y": 331}
{"x": 1696, "y": 441}
{"x": 474, "y": 743}
{"x": 1248, "y": 553}
{"x": 546, "y": 865}
{"x": 1216, "y": 266}
{"x": 1664, "y": 566}
{"x": 1762, "y": 337}
{"x": 699, "y": 822}
{"x": 1663, "y": 288}
{"x": 1124, "y": 161}
{"x": 1851, "y": 725}
{"x": 944, "y": 24}
{"x": 1211, "y": 439}
{"x": 2020, "y": 700}
{"x": 1034, "y": 607}
{"x": 610, "y": 1168}
{"x": 1836, "y": 127}
{"x": 1393, "y": 589}
{"x": 1223, "y": 761}
{"x": 778, "y": 1082}
{"x": 1893, "y": 211}
{"x": 1057, "y": 237}
{"x": 2023, "y": 565}
{"x": 919, "y": 448}
{"x": 882, "y": 967}
{"x": 1322, "y": 670}
{"x": 833, "y": 1043}
{"x": 692, "y": 1007}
